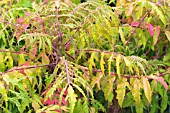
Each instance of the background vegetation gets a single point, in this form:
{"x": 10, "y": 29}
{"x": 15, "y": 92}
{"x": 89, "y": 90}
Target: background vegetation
{"x": 84, "y": 56}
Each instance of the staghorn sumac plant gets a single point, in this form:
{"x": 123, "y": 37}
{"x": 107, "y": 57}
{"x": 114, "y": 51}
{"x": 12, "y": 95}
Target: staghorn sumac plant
{"x": 68, "y": 56}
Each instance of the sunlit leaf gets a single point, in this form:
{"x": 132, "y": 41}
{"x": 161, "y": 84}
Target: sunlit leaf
{"x": 167, "y": 34}
{"x": 96, "y": 80}
{"x": 102, "y": 63}
{"x": 72, "y": 98}
{"x": 147, "y": 89}
{"x": 121, "y": 89}
{"x": 122, "y": 35}
{"x": 161, "y": 80}
{"x": 118, "y": 58}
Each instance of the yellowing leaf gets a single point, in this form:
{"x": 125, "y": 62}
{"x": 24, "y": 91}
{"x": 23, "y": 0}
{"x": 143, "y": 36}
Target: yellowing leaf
{"x": 147, "y": 89}
{"x": 135, "y": 89}
{"x": 91, "y": 62}
{"x": 102, "y": 63}
{"x": 109, "y": 64}
{"x": 160, "y": 80}
{"x": 121, "y": 89}
{"x": 167, "y": 34}
{"x": 45, "y": 59}
{"x": 127, "y": 61}
{"x": 122, "y": 36}
{"x": 71, "y": 96}
{"x": 107, "y": 90}
{"x": 96, "y": 80}
{"x": 156, "y": 34}
{"x": 21, "y": 59}
{"x": 118, "y": 58}
{"x": 159, "y": 12}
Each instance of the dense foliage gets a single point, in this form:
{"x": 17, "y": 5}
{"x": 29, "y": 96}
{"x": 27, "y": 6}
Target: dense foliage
{"x": 68, "y": 56}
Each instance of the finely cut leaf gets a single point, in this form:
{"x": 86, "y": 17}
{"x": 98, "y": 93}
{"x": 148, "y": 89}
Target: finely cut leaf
{"x": 158, "y": 11}
{"x": 102, "y": 63}
{"x": 122, "y": 36}
{"x": 107, "y": 90}
{"x": 121, "y": 89}
{"x": 136, "y": 85}
{"x": 147, "y": 89}
{"x": 109, "y": 64}
{"x": 96, "y": 80}
{"x": 167, "y": 34}
{"x": 72, "y": 98}
{"x": 161, "y": 80}
{"x": 118, "y": 58}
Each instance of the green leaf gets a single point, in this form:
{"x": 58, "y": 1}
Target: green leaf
{"x": 128, "y": 101}
{"x": 121, "y": 89}
{"x": 154, "y": 104}
{"x": 147, "y": 89}
{"x": 164, "y": 102}
{"x": 25, "y": 3}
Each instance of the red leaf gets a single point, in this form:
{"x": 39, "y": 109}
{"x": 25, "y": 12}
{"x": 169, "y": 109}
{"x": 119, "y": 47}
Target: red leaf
{"x": 47, "y": 102}
{"x": 135, "y": 24}
{"x": 151, "y": 29}
{"x": 26, "y": 13}
{"x": 160, "y": 80}
{"x": 25, "y": 26}
{"x": 18, "y": 34}
{"x": 22, "y": 71}
{"x": 19, "y": 20}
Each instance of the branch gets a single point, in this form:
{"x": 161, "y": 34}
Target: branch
{"x": 134, "y": 31}
{"x": 26, "y": 67}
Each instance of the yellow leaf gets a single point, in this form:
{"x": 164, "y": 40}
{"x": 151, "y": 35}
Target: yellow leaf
{"x": 91, "y": 62}
{"x": 108, "y": 89}
{"x": 96, "y": 80}
{"x": 102, "y": 63}
{"x": 118, "y": 58}
{"x": 121, "y": 89}
{"x": 21, "y": 59}
{"x": 109, "y": 64}
{"x": 167, "y": 34}
{"x": 135, "y": 89}
{"x": 147, "y": 89}
{"x": 122, "y": 36}
{"x": 45, "y": 59}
